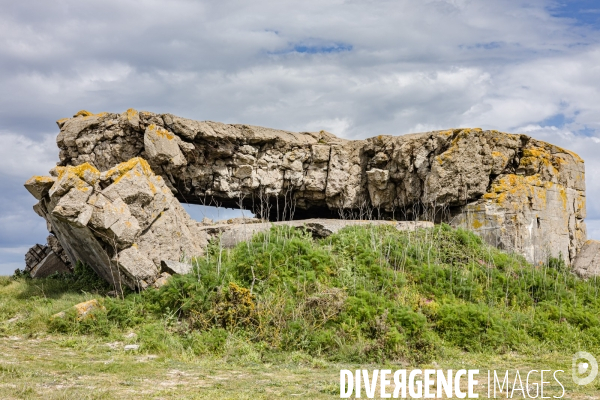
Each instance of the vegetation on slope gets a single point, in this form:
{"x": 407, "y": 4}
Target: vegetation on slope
{"x": 365, "y": 294}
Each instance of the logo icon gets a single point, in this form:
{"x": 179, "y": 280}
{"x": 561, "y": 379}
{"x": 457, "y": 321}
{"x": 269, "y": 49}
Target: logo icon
{"x": 585, "y": 368}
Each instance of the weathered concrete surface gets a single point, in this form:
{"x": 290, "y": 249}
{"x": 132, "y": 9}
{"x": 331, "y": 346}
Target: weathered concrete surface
{"x": 587, "y": 263}
{"x": 49, "y": 265}
{"x": 519, "y": 193}
{"x": 122, "y": 222}
{"x": 230, "y": 234}
{"x": 44, "y": 260}
{"x": 35, "y": 255}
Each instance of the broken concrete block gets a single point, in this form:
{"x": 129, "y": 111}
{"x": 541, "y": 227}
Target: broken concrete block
{"x": 49, "y": 265}
{"x": 39, "y": 186}
{"x": 161, "y": 146}
{"x": 44, "y": 260}
{"x": 175, "y": 267}
{"x": 121, "y": 223}
{"x": 162, "y": 280}
{"x": 587, "y": 262}
{"x": 83, "y": 310}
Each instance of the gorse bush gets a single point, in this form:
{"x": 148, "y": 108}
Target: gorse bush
{"x": 363, "y": 294}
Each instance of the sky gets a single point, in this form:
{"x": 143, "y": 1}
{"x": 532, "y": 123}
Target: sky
{"x": 354, "y": 68}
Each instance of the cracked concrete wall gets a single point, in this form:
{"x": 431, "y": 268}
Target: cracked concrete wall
{"x": 519, "y": 193}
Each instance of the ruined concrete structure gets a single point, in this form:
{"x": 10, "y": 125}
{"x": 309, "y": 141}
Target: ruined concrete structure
{"x": 122, "y": 222}
{"x": 518, "y": 193}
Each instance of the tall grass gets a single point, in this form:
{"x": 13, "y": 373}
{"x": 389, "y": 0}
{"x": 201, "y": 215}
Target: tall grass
{"x": 363, "y": 294}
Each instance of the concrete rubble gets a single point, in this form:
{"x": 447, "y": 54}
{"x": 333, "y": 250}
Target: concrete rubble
{"x": 82, "y": 311}
{"x": 122, "y": 222}
{"x": 520, "y": 194}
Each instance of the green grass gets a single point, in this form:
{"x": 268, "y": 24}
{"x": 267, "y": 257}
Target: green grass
{"x": 364, "y": 296}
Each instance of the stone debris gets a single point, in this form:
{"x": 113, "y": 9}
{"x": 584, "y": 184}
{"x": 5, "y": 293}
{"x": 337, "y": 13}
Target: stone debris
{"x": 175, "y": 267}
{"x": 587, "y": 263}
{"x": 131, "y": 347}
{"x": 122, "y": 222}
{"x": 83, "y": 310}
{"x": 113, "y": 345}
{"x": 162, "y": 280}
{"x": 518, "y": 193}
{"x": 88, "y": 308}
{"x": 239, "y": 221}
{"x": 230, "y": 235}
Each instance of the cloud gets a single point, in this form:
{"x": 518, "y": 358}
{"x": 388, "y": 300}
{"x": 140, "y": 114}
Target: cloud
{"x": 355, "y": 68}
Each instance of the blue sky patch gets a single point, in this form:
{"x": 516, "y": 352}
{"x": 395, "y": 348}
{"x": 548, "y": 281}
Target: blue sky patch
{"x": 489, "y": 46}
{"x": 584, "y": 12}
{"x": 558, "y": 120}
{"x": 336, "y": 48}
{"x": 316, "y": 48}
{"x": 589, "y": 132}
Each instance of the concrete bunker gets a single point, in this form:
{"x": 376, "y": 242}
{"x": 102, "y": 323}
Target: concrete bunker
{"x": 518, "y": 193}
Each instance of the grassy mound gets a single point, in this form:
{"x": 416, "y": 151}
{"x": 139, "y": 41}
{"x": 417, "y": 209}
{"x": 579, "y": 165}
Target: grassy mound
{"x": 365, "y": 294}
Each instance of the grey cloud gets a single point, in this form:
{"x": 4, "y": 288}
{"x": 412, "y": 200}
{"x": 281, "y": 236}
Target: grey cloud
{"x": 402, "y": 66}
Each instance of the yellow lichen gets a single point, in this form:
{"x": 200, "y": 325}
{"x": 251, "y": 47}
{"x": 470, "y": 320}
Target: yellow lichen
{"x": 160, "y": 132}
{"x": 573, "y": 154}
{"x": 117, "y": 172}
{"x": 77, "y": 176}
{"x": 79, "y": 171}
{"x": 536, "y": 157}
{"x": 82, "y": 113}
{"x": 563, "y": 196}
{"x": 86, "y": 114}
{"x": 515, "y": 191}
{"x": 41, "y": 179}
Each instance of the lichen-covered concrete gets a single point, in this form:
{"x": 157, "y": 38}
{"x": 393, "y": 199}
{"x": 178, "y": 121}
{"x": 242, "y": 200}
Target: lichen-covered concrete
{"x": 519, "y": 193}
{"x": 122, "y": 222}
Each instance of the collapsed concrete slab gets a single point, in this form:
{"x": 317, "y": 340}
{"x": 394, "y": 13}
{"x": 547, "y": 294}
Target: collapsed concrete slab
{"x": 122, "y": 222}
{"x": 519, "y": 193}
{"x": 230, "y": 234}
